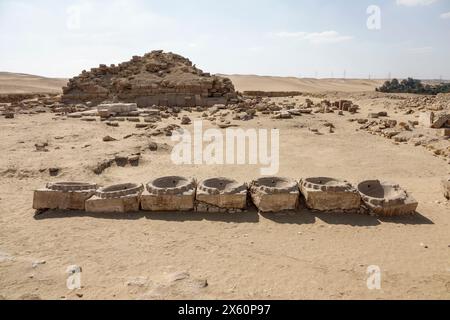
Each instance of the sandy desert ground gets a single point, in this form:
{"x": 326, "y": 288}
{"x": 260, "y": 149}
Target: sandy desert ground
{"x": 244, "y": 256}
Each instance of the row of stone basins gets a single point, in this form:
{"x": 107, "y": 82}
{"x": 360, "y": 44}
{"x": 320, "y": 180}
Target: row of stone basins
{"x": 223, "y": 195}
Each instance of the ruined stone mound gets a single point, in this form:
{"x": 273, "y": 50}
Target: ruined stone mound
{"x": 157, "y": 78}
{"x": 386, "y": 198}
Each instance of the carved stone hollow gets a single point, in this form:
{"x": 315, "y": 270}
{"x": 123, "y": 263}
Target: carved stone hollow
{"x": 169, "y": 194}
{"x": 386, "y": 198}
{"x": 221, "y": 195}
{"x": 119, "y": 198}
{"x": 328, "y": 194}
{"x": 63, "y": 196}
{"x": 275, "y": 194}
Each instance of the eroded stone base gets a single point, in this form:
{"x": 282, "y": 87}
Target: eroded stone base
{"x": 331, "y": 201}
{"x": 202, "y": 207}
{"x": 224, "y": 201}
{"x": 56, "y": 200}
{"x": 163, "y": 203}
{"x": 275, "y": 202}
{"x": 118, "y": 205}
{"x": 409, "y": 207}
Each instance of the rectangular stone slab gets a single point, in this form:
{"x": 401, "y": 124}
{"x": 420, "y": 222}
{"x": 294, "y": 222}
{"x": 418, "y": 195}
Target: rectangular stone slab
{"x": 57, "y": 200}
{"x": 329, "y": 201}
{"x": 119, "y": 205}
{"x": 225, "y": 201}
{"x": 276, "y": 202}
{"x": 164, "y": 203}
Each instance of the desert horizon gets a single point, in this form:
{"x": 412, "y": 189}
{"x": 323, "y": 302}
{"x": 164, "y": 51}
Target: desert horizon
{"x": 158, "y": 177}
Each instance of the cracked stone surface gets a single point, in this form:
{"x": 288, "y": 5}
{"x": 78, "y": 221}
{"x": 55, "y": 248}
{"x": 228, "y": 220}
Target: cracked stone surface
{"x": 119, "y": 198}
{"x": 329, "y": 194}
{"x": 387, "y": 198}
{"x": 221, "y": 195}
{"x": 171, "y": 193}
{"x": 63, "y": 196}
{"x": 275, "y": 194}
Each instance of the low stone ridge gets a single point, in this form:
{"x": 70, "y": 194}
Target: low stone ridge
{"x": 386, "y": 198}
{"x": 329, "y": 194}
{"x": 157, "y": 78}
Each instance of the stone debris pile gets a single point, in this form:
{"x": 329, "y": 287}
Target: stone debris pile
{"x": 223, "y": 195}
{"x": 157, "y": 78}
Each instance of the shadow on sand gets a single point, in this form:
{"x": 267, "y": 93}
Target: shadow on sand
{"x": 296, "y": 217}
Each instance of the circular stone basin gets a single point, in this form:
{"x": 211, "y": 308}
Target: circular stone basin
{"x": 119, "y": 190}
{"x": 71, "y": 186}
{"x": 172, "y": 185}
{"x": 327, "y": 184}
{"x": 216, "y": 186}
{"x": 381, "y": 193}
{"x": 276, "y": 185}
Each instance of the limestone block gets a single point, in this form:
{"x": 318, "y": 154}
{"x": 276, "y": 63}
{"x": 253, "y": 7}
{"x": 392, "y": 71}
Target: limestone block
{"x": 386, "y": 198}
{"x": 118, "y": 205}
{"x": 221, "y": 193}
{"x": 274, "y": 194}
{"x": 116, "y": 199}
{"x": 426, "y": 119}
{"x": 63, "y": 196}
{"x": 328, "y": 194}
{"x": 169, "y": 194}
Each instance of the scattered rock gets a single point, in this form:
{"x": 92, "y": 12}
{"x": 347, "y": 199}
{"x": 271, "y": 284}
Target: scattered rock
{"x": 186, "y": 120}
{"x": 109, "y": 139}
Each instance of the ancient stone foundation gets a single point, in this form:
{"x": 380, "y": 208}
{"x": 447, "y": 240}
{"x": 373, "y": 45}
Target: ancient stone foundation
{"x": 169, "y": 194}
{"x": 157, "y": 78}
{"x": 274, "y": 194}
{"x": 223, "y": 195}
{"x": 328, "y": 194}
{"x": 116, "y": 199}
{"x": 386, "y": 198}
{"x": 63, "y": 196}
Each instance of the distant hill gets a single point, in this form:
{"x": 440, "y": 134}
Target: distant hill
{"x": 268, "y": 83}
{"x": 25, "y": 83}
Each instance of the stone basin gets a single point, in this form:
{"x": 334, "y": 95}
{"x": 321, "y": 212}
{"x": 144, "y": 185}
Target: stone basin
{"x": 387, "y": 198}
{"x": 171, "y": 193}
{"x": 221, "y": 195}
{"x": 63, "y": 196}
{"x": 118, "y": 198}
{"x": 275, "y": 194}
{"x": 329, "y": 194}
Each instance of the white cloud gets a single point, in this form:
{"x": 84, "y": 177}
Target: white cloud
{"x": 315, "y": 37}
{"x": 445, "y": 15}
{"x": 415, "y": 3}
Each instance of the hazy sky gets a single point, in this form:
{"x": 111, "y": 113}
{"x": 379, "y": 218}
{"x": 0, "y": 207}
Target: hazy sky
{"x": 303, "y": 38}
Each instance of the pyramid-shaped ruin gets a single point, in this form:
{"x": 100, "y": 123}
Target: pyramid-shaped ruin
{"x": 157, "y": 78}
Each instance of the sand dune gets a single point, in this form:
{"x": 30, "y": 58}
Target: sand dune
{"x": 267, "y": 83}
{"x": 25, "y": 83}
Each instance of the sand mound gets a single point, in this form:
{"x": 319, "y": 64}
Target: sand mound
{"x": 17, "y": 83}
